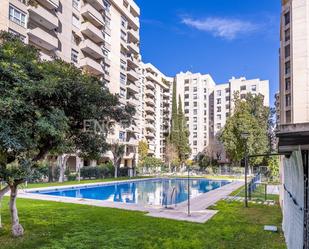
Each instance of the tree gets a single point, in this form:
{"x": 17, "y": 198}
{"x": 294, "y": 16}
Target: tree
{"x": 152, "y": 163}
{"x": 250, "y": 116}
{"x": 171, "y": 154}
{"x": 184, "y": 149}
{"x": 43, "y": 107}
{"x": 142, "y": 150}
{"x": 118, "y": 151}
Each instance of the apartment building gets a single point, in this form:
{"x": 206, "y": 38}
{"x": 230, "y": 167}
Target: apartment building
{"x": 207, "y": 107}
{"x": 156, "y": 90}
{"x": 196, "y": 92}
{"x": 277, "y": 106}
{"x": 294, "y": 63}
{"x": 293, "y": 129}
{"x": 99, "y": 36}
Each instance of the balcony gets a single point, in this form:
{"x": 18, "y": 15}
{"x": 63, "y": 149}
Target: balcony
{"x": 133, "y": 35}
{"x": 91, "y": 66}
{"x": 132, "y": 87}
{"x": 133, "y": 62}
{"x": 43, "y": 39}
{"x": 150, "y": 102}
{"x": 149, "y": 134}
{"x": 150, "y": 85}
{"x": 151, "y": 77}
{"x": 97, "y": 4}
{"x": 132, "y": 102}
{"x": 92, "y": 15}
{"x": 133, "y": 47}
{"x": 50, "y": 4}
{"x": 149, "y": 109}
{"x": 132, "y": 74}
{"x": 150, "y": 92}
{"x": 107, "y": 61}
{"x": 150, "y": 118}
{"x": 92, "y": 32}
{"x": 150, "y": 127}
{"x": 43, "y": 17}
{"x": 92, "y": 49}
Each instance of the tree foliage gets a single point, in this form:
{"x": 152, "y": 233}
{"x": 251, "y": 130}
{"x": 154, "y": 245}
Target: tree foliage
{"x": 252, "y": 117}
{"x": 43, "y": 106}
{"x": 142, "y": 150}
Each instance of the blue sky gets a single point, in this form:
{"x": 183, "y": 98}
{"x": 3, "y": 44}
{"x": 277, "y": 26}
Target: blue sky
{"x": 224, "y": 38}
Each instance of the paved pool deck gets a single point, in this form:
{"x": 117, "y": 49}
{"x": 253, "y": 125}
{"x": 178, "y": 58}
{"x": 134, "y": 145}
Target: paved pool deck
{"x": 198, "y": 207}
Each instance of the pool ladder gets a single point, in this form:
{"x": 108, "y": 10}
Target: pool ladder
{"x": 165, "y": 199}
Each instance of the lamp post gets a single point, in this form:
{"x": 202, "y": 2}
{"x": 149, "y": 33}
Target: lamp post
{"x": 245, "y": 136}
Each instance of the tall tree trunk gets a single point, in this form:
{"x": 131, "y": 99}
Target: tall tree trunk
{"x": 2, "y": 193}
{"x": 62, "y": 161}
{"x": 116, "y": 168}
{"x": 17, "y": 229}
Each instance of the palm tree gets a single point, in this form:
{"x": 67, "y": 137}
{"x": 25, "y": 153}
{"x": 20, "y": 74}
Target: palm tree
{"x": 118, "y": 151}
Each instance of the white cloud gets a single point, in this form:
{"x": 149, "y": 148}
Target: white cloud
{"x": 222, "y": 27}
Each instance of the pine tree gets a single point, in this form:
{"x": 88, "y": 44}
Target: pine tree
{"x": 183, "y": 142}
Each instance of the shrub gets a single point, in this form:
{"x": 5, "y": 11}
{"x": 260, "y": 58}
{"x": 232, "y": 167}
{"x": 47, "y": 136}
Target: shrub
{"x": 72, "y": 177}
{"x": 40, "y": 172}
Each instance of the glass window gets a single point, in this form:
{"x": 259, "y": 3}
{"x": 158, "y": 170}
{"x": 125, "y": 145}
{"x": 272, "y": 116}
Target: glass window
{"x": 74, "y": 56}
{"x": 218, "y": 108}
{"x": 219, "y": 116}
{"x": 194, "y": 134}
{"x": 187, "y": 88}
{"x": 253, "y": 88}
{"x": 227, "y": 90}
{"x": 287, "y": 35}
{"x": 195, "y": 119}
{"x": 186, "y": 96}
{"x": 76, "y": 4}
{"x": 17, "y": 16}
{"x": 195, "y": 104}
{"x": 287, "y": 51}
{"x": 195, "y": 96}
{"x": 218, "y": 101}
{"x": 122, "y": 136}
{"x": 195, "y": 89}
{"x": 195, "y": 143}
{"x": 288, "y": 84}
{"x": 75, "y": 21}
{"x": 287, "y": 18}
{"x": 243, "y": 96}
{"x": 187, "y": 81}
{"x": 287, "y": 67}
{"x": 243, "y": 88}
{"x": 195, "y": 127}
{"x": 123, "y": 79}
{"x": 288, "y": 100}
{"x": 227, "y": 98}
{"x": 218, "y": 92}
{"x": 186, "y": 103}
{"x": 288, "y": 116}
{"x": 195, "y": 112}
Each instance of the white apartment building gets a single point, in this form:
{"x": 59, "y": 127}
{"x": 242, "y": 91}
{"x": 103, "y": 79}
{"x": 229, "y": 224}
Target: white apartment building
{"x": 294, "y": 63}
{"x": 207, "y": 107}
{"x": 156, "y": 89}
{"x": 99, "y": 36}
{"x": 196, "y": 91}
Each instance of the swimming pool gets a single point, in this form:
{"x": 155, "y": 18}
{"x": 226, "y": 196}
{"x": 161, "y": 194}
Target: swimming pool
{"x": 160, "y": 191}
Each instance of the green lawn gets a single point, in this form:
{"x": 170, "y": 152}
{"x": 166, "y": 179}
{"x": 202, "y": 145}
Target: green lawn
{"x": 70, "y": 226}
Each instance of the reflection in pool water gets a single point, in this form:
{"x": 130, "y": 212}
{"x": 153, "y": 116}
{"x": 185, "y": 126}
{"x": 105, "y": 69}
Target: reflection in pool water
{"x": 146, "y": 192}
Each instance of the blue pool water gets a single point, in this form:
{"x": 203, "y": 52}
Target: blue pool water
{"x": 147, "y": 192}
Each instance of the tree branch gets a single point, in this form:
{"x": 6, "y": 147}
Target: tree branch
{"x": 4, "y": 191}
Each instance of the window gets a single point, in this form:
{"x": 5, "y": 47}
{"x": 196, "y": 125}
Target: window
{"x": 227, "y": 107}
{"x": 75, "y": 21}
{"x": 194, "y": 134}
{"x": 122, "y": 136}
{"x": 227, "y": 98}
{"x": 243, "y": 88}
{"x": 218, "y": 92}
{"x": 227, "y": 90}
{"x": 287, "y": 18}
{"x": 123, "y": 36}
{"x": 253, "y": 88}
{"x": 17, "y": 16}
{"x": 76, "y": 4}
{"x": 205, "y": 135}
{"x": 74, "y": 56}
{"x": 205, "y": 128}
{"x": 187, "y": 81}
{"x": 195, "y": 119}
{"x": 218, "y": 101}
{"x": 288, "y": 67}
{"x": 287, "y": 35}
{"x": 288, "y": 116}
{"x": 195, "y": 127}
{"x": 123, "y": 65}
{"x": 205, "y": 90}
{"x": 227, "y": 114}
{"x": 218, "y": 126}
{"x": 195, "y": 104}
{"x": 205, "y": 105}
{"x": 195, "y": 112}
{"x": 288, "y": 100}
{"x": 288, "y": 84}
{"x": 186, "y": 103}
{"x": 218, "y": 108}
{"x": 287, "y": 51}
{"x": 219, "y": 116}
{"x": 20, "y": 36}
{"x": 186, "y": 96}
{"x": 242, "y": 96}
{"x": 123, "y": 79}
{"x": 205, "y": 113}
{"x": 195, "y": 143}
{"x": 122, "y": 92}
{"x": 187, "y": 89}
{"x": 195, "y": 96}
{"x": 123, "y": 22}
{"x": 205, "y": 97}
{"x": 195, "y": 89}
{"x": 186, "y": 111}
{"x": 205, "y": 120}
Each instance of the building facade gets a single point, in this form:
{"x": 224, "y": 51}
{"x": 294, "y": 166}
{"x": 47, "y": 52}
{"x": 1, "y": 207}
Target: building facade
{"x": 156, "y": 89}
{"x": 101, "y": 37}
{"x": 207, "y": 107}
{"x": 294, "y": 62}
